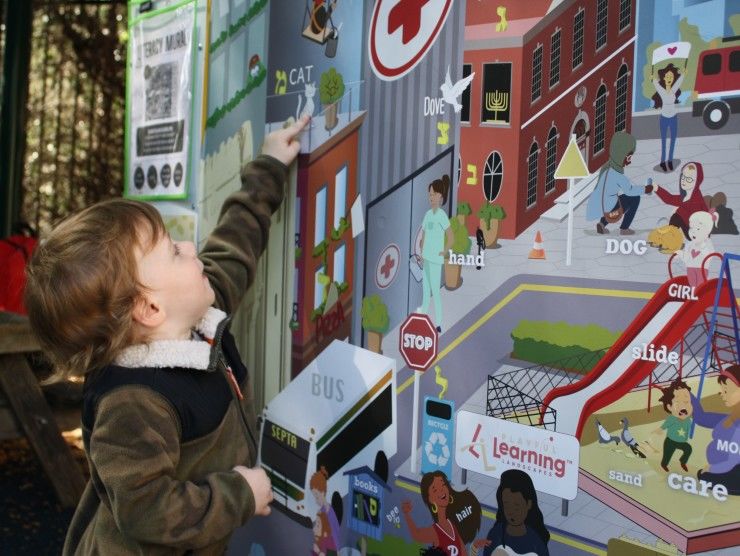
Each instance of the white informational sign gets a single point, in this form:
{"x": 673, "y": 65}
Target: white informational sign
{"x": 159, "y": 103}
{"x": 491, "y": 446}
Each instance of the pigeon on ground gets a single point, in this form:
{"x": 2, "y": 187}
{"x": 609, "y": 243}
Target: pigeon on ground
{"x": 628, "y": 439}
{"x": 604, "y": 436}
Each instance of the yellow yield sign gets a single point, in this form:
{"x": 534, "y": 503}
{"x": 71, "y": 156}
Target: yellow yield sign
{"x": 572, "y": 164}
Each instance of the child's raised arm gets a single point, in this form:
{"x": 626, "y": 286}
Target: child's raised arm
{"x": 231, "y": 252}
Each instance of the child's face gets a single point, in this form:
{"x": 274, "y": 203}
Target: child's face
{"x": 516, "y": 507}
{"x": 681, "y": 406}
{"x": 177, "y": 285}
{"x": 688, "y": 177}
{"x": 729, "y": 392}
{"x": 700, "y": 227}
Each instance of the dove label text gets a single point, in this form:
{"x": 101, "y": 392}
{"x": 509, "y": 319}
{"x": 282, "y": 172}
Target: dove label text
{"x": 677, "y": 291}
{"x": 650, "y": 353}
{"x": 626, "y": 478}
{"x": 433, "y": 106}
{"x": 697, "y": 487}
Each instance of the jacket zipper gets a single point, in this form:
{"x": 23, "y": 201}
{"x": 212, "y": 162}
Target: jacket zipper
{"x": 237, "y": 395}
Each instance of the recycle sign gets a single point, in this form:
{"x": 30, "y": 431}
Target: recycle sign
{"x": 438, "y": 435}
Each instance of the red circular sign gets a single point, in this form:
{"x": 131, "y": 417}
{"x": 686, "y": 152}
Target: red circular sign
{"x": 418, "y": 341}
{"x": 402, "y": 32}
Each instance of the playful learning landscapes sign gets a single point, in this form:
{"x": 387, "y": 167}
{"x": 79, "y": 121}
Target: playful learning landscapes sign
{"x": 491, "y": 446}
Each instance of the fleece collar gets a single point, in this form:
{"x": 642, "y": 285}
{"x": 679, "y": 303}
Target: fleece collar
{"x": 195, "y": 353}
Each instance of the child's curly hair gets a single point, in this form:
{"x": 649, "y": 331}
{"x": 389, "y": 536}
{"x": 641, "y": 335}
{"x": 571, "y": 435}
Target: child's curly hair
{"x": 83, "y": 284}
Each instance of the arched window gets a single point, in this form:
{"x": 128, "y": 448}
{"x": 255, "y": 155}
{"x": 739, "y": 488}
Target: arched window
{"x": 600, "y": 119}
{"x": 620, "y": 120}
{"x": 551, "y": 148}
{"x": 493, "y": 176}
{"x": 532, "y": 160}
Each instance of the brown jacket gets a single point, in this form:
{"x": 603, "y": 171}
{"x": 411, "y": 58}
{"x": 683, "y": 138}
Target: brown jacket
{"x": 163, "y": 426}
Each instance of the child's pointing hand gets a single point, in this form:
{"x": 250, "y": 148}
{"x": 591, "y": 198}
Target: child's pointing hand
{"x": 283, "y": 144}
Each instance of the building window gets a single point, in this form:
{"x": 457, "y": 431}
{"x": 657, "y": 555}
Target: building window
{"x": 578, "y": 38}
{"x": 536, "y": 73}
{"x": 625, "y": 14}
{"x": 340, "y": 257}
{"x": 493, "y": 176}
{"x": 532, "y": 175}
{"x": 620, "y": 121}
{"x": 555, "y": 58}
{"x": 602, "y": 18}
{"x": 318, "y": 287}
{"x": 496, "y": 102}
{"x": 600, "y": 119}
{"x": 551, "y": 162}
{"x": 340, "y": 196}
{"x": 465, "y": 100}
{"x": 711, "y": 64}
{"x": 320, "y": 217}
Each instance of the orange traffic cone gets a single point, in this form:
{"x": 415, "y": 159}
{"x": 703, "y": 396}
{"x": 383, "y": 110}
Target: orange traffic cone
{"x": 537, "y": 252}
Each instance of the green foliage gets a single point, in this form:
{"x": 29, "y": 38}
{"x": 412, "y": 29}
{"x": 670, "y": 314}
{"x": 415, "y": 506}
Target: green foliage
{"x": 374, "y": 314}
{"x": 548, "y": 342}
{"x": 252, "y": 83}
{"x": 251, "y": 13}
{"x": 342, "y": 286}
{"x": 320, "y": 249}
{"x": 337, "y": 233}
{"x": 331, "y": 86}
{"x": 463, "y": 209}
{"x": 298, "y": 253}
{"x": 460, "y": 241}
{"x": 488, "y": 212}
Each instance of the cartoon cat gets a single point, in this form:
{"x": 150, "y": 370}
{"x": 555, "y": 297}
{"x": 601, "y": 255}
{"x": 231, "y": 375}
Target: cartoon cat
{"x": 309, "y": 107}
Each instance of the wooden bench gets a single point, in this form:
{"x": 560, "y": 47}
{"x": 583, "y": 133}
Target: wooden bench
{"x": 24, "y": 395}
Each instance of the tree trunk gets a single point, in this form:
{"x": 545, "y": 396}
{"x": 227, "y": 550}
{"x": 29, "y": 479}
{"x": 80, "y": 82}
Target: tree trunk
{"x": 453, "y": 276}
{"x": 330, "y": 117}
{"x": 490, "y": 235}
{"x": 374, "y": 340}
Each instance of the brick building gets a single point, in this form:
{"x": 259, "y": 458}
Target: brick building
{"x": 545, "y": 70}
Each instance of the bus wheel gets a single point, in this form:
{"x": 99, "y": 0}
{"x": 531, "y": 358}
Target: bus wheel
{"x": 716, "y": 114}
{"x": 337, "y": 505}
{"x": 381, "y": 466}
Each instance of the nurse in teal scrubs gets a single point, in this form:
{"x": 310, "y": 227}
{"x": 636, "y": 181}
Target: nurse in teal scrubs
{"x": 436, "y": 236}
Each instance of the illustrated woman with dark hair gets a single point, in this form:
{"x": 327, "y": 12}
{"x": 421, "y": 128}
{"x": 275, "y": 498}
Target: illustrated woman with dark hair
{"x": 520, "y": 527}
{"x": 723, "y": 462}
{"x": 665, "y": 99}
{"x": 436, "y": 236}
{"x": 456, "y": 517}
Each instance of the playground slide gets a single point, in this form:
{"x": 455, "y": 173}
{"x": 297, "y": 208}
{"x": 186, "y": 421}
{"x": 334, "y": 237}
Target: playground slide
{"x": 662, "y": 322}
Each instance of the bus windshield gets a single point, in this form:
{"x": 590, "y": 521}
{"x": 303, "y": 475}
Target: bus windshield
{"x": 285, "y": 453}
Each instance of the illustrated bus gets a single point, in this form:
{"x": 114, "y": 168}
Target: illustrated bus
{"x": 718, "y": 84}
{"x": 339, "y": 413}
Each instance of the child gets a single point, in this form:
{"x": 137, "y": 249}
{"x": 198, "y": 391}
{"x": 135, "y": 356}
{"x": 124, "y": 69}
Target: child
{"x": 519, "y": 527}
{"x": 168, "y": 419}
{"x": 699, "y": 246}
{"x": 676, "y": 401}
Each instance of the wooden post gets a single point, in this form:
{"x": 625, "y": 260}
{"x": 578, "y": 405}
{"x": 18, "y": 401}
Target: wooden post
{"x": 27, "y": 401}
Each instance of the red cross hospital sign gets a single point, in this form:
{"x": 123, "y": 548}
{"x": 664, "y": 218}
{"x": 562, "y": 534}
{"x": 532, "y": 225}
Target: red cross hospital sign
{"x": 402, "y": 32}
{"x": 386, "y": 268}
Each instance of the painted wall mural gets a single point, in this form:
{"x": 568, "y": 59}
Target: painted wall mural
{"x": 550, "y": 186}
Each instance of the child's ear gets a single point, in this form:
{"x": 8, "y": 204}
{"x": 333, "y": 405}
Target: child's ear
{"x": 148, "y": 312}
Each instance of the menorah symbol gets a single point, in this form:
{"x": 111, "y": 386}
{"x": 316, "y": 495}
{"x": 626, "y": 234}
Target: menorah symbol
{"x": 496, "y": 102}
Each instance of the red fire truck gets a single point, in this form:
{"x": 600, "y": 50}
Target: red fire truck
{"x": 718, "y": 84}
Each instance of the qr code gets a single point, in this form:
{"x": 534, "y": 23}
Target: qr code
{"x": 161, "y": 90}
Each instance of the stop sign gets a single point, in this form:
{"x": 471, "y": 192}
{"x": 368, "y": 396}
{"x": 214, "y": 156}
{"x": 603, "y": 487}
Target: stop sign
{"x": 418, "y": 341}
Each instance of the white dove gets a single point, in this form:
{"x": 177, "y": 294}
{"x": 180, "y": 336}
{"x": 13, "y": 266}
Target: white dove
{"x": 450, "y": 92}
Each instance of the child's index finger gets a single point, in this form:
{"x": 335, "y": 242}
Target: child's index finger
{"x": 297, "y": 127}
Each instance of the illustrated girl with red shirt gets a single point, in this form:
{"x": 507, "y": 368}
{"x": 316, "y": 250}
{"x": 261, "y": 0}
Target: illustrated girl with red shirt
{"x": 689, "y": 198}
{"x": 456, "y": 516}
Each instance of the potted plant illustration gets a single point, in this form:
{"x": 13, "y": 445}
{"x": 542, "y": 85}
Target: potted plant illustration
{"x": 460, "y": 247}
{"x": 490, "y": 222}
{"x": 375, "y": 321}
{"x": 463, "y": 211}
{"x": 331, "y": 89}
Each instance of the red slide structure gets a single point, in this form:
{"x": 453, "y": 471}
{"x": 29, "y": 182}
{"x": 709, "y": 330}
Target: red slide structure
{"x": 663, "y": 321}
